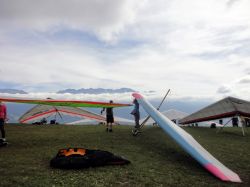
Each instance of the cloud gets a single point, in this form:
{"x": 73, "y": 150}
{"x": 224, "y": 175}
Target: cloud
{"x": 224, "y": 89}
{"x": 230, "y": 3}
{"x": 112, "y": 20}
{"x": 236, "y": 88}
{"x": 105, "y": 97}
{"x": 104, "y": 18}
{"x": 192, "y": 47}
{"x": 247, "y": 71}
{"x": 245, "y": 80}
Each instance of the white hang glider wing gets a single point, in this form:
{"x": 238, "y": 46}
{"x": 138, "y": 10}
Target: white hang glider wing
{"x": 188, "y": 143}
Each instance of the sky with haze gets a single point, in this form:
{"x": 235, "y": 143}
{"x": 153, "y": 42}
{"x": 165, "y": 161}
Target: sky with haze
{"x": 197, "y": 48}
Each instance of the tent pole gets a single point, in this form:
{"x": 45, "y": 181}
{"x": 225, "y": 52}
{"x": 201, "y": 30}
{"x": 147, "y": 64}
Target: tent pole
{"x": 242, "y": 125}
{"x": 220, "y": 129}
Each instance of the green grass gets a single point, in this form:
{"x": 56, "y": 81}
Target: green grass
{"x": 156, "y": 159}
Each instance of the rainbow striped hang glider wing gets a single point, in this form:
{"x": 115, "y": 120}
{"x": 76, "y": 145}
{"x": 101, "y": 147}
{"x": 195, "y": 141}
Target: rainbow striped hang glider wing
{"x": 44, "y": 111}
{"x": 69, "y": 103}
{"x": 188, "y": 143}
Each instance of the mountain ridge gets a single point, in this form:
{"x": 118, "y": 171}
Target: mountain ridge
{"x": 95, "y": 90}
{"x": 12, "y": 91}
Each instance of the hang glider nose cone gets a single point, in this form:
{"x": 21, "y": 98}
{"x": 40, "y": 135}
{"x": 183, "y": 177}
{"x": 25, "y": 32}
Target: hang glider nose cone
{"x": 137, "y": 95}
{"x": 224, "y": 176}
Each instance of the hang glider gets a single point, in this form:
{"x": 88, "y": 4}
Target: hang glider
{"x": 69, "y": 103}
{"x": 45, "y": 111}
{"x": 188, "y": 143}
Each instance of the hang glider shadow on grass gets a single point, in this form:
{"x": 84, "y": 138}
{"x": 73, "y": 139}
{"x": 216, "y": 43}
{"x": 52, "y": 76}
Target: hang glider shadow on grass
{"x": 45, "y": 111}
{"x": 188, "y": 143}
{"x": 69, "y": 103}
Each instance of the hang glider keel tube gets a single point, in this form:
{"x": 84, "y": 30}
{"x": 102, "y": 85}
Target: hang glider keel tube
{"x": 188, "y": 143}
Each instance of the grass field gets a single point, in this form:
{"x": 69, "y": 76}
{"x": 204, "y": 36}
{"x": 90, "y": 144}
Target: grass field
{"x": 156, "y": 159}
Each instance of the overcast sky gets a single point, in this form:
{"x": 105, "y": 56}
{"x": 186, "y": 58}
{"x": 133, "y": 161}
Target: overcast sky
{"x": 196, "y": 48}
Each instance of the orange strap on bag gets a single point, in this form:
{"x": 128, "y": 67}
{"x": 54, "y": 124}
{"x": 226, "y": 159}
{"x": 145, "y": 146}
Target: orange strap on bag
{"x": 72, "y": 151}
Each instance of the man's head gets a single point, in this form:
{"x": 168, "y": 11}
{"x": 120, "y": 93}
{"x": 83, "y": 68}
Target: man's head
{"x": 110, "y": 101}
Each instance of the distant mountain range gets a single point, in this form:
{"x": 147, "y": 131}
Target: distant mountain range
{"x": 95, "y": 91}
{"x": 76, "y": 91}
{"x": 12, "y": 91}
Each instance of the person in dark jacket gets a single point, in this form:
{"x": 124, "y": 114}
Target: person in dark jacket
{"x": 109, "y": 118}
{"x": 136, "y": 113}
{"x": 3, "y": 118}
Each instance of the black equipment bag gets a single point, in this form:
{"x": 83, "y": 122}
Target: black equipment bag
{"x": 76, "y": 158}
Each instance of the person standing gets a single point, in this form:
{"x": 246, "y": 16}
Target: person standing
{"x": 109, "y": 118}
{"x": 136, "y": 113}
{"x": 3, "y": 117}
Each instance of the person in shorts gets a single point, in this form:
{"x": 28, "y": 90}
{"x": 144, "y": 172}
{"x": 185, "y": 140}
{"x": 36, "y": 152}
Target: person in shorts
{"x": 109, "y": 117}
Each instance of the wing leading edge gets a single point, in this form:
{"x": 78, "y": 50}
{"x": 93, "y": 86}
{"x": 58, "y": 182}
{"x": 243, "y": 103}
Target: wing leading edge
{"x": 188, "y": 143}
{"x": 69, "y": 103}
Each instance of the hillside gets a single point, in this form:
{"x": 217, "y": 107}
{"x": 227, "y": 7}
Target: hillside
{"x": 156, "y": 159}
